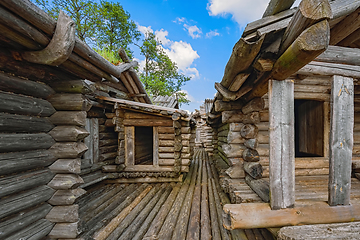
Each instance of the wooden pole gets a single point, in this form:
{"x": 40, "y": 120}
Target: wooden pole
{"x": 341, "y": 140}
{"x": 282, "y": 152}
{"x": 276, "y": 6}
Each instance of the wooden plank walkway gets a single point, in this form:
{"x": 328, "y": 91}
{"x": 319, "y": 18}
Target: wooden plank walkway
{"x": 188, "y": 210}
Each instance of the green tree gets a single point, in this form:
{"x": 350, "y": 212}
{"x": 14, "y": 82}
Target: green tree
{"x": 161, "y": 75}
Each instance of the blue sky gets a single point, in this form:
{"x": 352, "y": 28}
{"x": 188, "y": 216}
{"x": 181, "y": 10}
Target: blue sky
{"x": 198, "y": 35}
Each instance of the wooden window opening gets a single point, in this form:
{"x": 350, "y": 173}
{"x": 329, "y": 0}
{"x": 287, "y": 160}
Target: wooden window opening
{"x": 309, "y": 128}
{"x": 144, "y": 146}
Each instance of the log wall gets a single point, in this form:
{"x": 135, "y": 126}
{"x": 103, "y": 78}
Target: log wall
{"x": 25, "y": 157}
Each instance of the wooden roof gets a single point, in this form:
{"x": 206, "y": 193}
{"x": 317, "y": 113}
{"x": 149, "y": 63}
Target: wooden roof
{"x": 34, "y": 30}
{"x": 166, "y": 101}
{"x": 288, "y": 42}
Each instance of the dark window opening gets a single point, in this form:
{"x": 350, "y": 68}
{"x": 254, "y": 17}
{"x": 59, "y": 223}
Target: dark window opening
{"x": 309, "y": 128}
{"x": 144, "y": 145}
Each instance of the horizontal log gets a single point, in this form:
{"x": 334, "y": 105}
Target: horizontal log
{"x": 73, "y": 86}
{"x": 329, "y": 69}
{"x": 107, "y": 142}
{"x": 146, "y": 179}
{"x": 22, "y": 161}
{"x": 22, "y": 124}
{"x": 13, "y": 103}
{"x": 24, "y": 181}
{"x": 39, "y": 229}
{"x": 64, "y": 214}
{"x": 239, "y": 117}
{"x": 66, "y": 197}
{"x": 166, "y": 155}
{"x": 255, "y": 105}
{"x": 113, "y": 168}
{"x": 254, "y": 169}
{"x": 68, "y": 133}
{"x": 170, "y": 162}
{"x": 235, "y": 127}
{"x": 92, "y": 178}
{"x": 15, "y": 224}
{"x": 65, "y": 181}
{"x": 149, "y": 168}
{"x": 107, "y": 156}
{"x": 77, "y": 118}
{"x": 250, "y": 155}
{"x": 24, "y": 200}
{"x": 14, "y": 84}
{"x": 65, "y": 230}
{"x": 246, "y": 216}
{"x": 227, "y": 106}
{"x": 66, "y": 166}
{"x": 260, "y": 187}
{"x": 166, "y": 143}
{"x": 148, "y": 122}
{"x": 25, "y": 142}
{"x": 72, "y": 102}
{"x": 69, "y": 149}
{"x": 249, "y": 131}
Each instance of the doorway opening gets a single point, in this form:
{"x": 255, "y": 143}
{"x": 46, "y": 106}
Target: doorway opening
{"x": 144, "y": 145}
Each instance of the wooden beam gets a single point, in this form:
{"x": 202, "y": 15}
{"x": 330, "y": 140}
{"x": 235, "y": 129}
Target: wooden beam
{"x": 344, "y": 28}
{"x": 277, "y": 6}
{"x": 309, "y": 12}
{"x": 341, "y": 140}
{"x": 340, "y": 55}
{"x": 311, "y": 43}
{"x": 330, "y": 69}
{"x": 246, "y": 215}
{"x": 60, "y": 46}
{"x": 129, "y": 146}
{"x": 282, "y": 146}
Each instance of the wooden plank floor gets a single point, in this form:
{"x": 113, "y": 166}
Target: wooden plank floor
{"x": 188, "y": 210}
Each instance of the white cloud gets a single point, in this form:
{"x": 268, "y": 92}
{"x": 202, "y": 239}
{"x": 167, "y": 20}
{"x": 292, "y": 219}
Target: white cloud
{"x": 180, "y": 52}
{"x": 188, "y": 96}
{"x": 212, "y": 33}
{"x": 193, "y": 31}
{"x": 180, "y": 20}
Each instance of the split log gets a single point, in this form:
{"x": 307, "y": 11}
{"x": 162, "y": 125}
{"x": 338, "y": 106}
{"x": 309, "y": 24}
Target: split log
{"x": 65, "y": 230}
{"x": 66, "y": 197}
{"x": 277, "y": 6}
{"x": 65, "y": 181}
{"x": 237, "y": 117}
{"x": 22, "y": 161}
{"x": 263, "y": 65}
{"x": 68, "y": 133}
{"x": 17, "y": 104}
{"x": 69, "y": 149}
{"x": 250, "y": 155}
{"x": 251, "y": 143}
{"x": 229, "y": 95}
{"x": 26, "y": 87}
{"x": 39, "y": 229}
{"x": 341, "y": 140}
{"x": 63, "y": 214}
{"x": 19, "y": 123}
{"x": 227, "y": 106}
{"x": 69, "y": 118}
{"x": 24, "y": 200}
{"x": 249, "y": 131}
{"x": 260, "y": 187}
{"x": 254, "y": 169}
{"x": 308, "y": 13}
{"x": 60, "y": 46}
{"x": 66, "y": 166}
{"x": 15, "y": 224}
{"x": 245, "y": 215}
{"x": 282, "y": 152}
{"x": 311, "y": 43}
{"x": 255, "y": 105}
{"x": 73, "y": 86}
{"x": 25, "y": 142}
{"x": 24, "y": 181}
{"x": 238, "y": 81}
{"x": 244, "y": 52}
{"x": 70, "y": 102}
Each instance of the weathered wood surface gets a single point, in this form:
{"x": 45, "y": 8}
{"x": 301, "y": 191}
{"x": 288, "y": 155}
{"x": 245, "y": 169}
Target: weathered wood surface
{"x": 341, "y": 140}
{"x": 68, "y": 133}
{"x": 254, "y": 169}
{"x": 330, "y": 69}
{"x": 344, "y": 28}
{"x": 237, "y": 116}
{"x": 60, "y": 46}
{"x": 64, "y": 214}
{"x": 277, "y": 6}
{"x": 17, "y": 104}
{"x": 340, "y": 55}
{"x": 310, "y": 43}
{"x": 308, "y": 13}
{"x": 245, "y": 215}
{"x": 65, "y": 230}
{"x": 21, "y": 161}
{"x": 66, "y": 150}
{"x": 282, "y": 152}
{"x": 25, "y": 142}
{"x": 65, "y": 181}
{"x": 66, "y": 166}
{"x": 260, "y": 187}
{"x": 26, "y": 87}
{"x": 321, "y": 231}
{"x": 227, "y": 106}
{"x": 77, "y": 118}
{"x": 38, "y": 229}
{"x": 255, "y": 105}
{"x": 22, "y": 124}
{"x": 13, "y": 225}
{"x": 24, "y": 181}
{"x": 72, "y": 102}
{"x": 24, "y": 200}
{"x": 66, "y": 197}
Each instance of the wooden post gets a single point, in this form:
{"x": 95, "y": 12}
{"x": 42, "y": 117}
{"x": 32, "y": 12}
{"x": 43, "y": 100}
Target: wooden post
{"x": 282, "y": 150}
{"x": 156, "y": 146}
{"x": 341, "y": 140}
{"x": 129, "y": 146}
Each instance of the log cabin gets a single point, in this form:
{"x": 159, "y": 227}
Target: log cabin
{"x": 76, "y": 131}
{"x": 286, "y": 118}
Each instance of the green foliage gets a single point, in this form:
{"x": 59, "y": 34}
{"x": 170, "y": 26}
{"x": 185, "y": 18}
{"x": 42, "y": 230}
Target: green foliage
{"x": 111, "y": 56}
{"x": 161, "y": 75}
